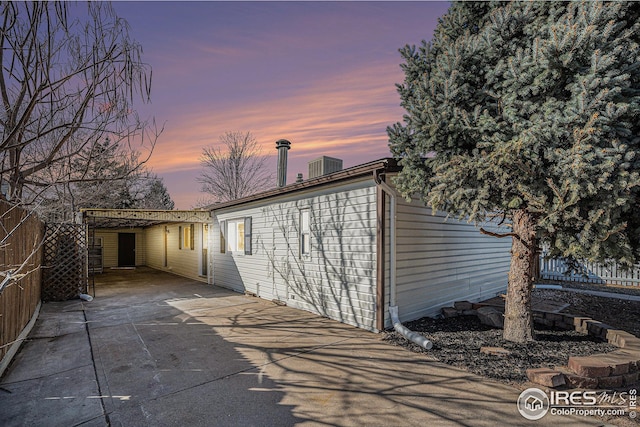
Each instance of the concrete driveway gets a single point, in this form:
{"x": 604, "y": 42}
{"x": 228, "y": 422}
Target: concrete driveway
{"x": 153, "y": 349}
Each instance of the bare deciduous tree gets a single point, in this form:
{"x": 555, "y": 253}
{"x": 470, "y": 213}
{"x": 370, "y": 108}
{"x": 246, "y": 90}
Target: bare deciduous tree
{"x": 235, "y": 168}
{"x": 70, "y": 75}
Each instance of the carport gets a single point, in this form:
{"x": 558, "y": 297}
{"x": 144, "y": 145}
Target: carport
{"x": 173, "y": 241}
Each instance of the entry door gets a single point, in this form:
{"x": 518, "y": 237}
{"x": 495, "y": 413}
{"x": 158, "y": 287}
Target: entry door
{"x": 126, "y": 249}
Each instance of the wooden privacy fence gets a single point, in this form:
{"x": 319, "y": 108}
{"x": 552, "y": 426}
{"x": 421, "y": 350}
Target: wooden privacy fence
{"x": 611, "y": 274}
{"x": 21, "y": 237}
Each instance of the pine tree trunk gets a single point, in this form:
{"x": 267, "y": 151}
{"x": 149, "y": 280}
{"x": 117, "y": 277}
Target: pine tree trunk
{"x": 518, "y": 319}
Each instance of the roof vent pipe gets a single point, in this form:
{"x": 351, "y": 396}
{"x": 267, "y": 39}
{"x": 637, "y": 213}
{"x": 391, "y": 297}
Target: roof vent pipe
{"x": 283, "y": 146}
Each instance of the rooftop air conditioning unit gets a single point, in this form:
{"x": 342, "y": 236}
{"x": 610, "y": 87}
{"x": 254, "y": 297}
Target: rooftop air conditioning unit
{"x": 324, "y": 165}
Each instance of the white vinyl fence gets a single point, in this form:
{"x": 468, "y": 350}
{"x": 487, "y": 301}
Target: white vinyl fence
{"x": 610, "y": 274}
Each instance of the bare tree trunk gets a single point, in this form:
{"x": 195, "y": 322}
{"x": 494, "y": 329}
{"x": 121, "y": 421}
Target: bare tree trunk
{"x": 518, "y": 320}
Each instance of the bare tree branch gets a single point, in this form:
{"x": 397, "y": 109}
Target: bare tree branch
{"x": 235, "y": 168}
{"x": 498, "y": 235}
{"x": 67, "y": 84}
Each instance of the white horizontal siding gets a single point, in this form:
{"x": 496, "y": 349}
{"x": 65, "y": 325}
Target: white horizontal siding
{"x": 154, "y": 239}
{"x": 183, "y": 261}
{"x": 337, "y": 280}
{"x": 238, "y": 271}
{"x": 109, "y": 248}
{"x": 110, "y": 245}
{"x": 441, "y": 260}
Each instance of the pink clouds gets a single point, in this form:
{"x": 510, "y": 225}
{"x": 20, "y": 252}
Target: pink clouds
{"x": 337, "y": 113}
{"x": 342, "y": 116}
{"x": 321, "y": 74}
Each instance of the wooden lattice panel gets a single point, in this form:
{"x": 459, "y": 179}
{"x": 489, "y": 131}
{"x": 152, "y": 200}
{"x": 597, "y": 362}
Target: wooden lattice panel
{"x": 64, "y": 275}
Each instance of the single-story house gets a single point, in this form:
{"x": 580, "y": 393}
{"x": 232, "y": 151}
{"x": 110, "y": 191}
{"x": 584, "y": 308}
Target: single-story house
{"x": 342, "y": 245}
{"x": 345, "y": 246}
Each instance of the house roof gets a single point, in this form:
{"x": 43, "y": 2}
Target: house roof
{"x": 386, "y": 165}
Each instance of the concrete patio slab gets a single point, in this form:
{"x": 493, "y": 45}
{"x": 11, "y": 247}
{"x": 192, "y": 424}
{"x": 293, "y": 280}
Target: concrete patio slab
{"x": 52, "y": 379}
{"x": 154, "y": 349}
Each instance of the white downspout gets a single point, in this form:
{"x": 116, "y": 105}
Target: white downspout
{"x": 393, "y": 308}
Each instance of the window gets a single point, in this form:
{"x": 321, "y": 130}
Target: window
{"x": 187, "y": 238}
{"x": 237, "y": 237}
{"x": 223, "y": 234}
{"x": 305, "y": 233}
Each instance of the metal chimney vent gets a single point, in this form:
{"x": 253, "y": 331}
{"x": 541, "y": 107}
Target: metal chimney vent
{"x": 283, "y": 146}
{"x": 324, "y": 165}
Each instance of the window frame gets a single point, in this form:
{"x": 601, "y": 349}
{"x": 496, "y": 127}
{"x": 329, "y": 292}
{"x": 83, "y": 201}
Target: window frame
{"x": 236, "y": 236}
{"x": 186, "y": 237}
{"x": 304, "y": 235}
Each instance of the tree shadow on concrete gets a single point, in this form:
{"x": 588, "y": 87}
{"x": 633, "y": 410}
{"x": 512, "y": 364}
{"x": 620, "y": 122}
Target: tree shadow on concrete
{"x": 158, "y": 365}
{"x": 212, "y": 357}
{"x": 334, "y": 374}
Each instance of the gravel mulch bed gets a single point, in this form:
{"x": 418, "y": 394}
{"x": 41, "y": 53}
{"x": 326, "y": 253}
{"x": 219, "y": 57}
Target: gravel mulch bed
{"x": 457, "y": 341}
{"x": 618, "y": 313}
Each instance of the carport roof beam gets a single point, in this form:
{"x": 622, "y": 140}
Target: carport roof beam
{"x": 154, "y": 216}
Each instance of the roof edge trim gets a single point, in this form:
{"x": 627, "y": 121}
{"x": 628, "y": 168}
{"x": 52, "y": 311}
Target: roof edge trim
{"x": 388, "y": 164}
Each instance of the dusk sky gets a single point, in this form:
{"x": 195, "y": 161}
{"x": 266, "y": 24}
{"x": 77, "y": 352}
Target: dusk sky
{"x": 320, "y": 74}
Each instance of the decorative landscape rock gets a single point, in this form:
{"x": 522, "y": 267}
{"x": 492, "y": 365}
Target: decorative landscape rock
{"x": 589, "y": 367}
{"x": 448, "y": 312}
{"x": 546, "y": 377}
{"x": 462, "y": 305}
{"x": 457, "y": 342}
{"x": 490, "y": 316}
{"x": 459, "y": 335}
{"x": 576, "y": 381}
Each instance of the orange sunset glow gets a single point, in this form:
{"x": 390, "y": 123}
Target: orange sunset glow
{"x": 320, "y": 74}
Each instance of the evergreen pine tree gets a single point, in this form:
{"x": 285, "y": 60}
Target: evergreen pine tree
{"x": 103, "y": 176}
{"x": 102, "y": 172}
{"x": 531, "y": 111}
{"x": 155, "y": 195}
